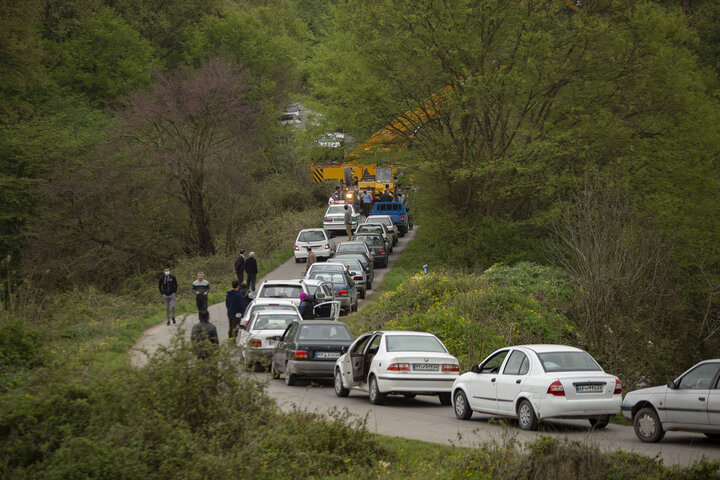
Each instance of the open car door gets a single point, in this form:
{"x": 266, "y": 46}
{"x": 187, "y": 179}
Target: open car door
{"x": 327, "y": 311}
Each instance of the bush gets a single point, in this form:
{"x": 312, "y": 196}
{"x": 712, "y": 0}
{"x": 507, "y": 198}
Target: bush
{"x": 20, "y": 344}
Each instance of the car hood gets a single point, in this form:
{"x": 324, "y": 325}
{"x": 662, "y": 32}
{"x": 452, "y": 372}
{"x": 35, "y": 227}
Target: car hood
{"x": 643, "y": 392}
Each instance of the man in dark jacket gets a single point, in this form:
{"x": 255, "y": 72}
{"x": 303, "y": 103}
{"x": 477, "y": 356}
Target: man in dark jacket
{"x": 201, "y": 290}
{"x": 235, "y": 307}
{"x": 240, "y": 266}
{"x": 251, "y": 269}
{"x": 204, "y": 336}
{"x": 168, "y": 289}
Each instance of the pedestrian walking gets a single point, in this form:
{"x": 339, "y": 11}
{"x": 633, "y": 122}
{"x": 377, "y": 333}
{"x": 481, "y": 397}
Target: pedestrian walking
{"x": 251, "y": 269}
{"x": 348, "y": 221}
{"x": 235, "y": 304}
{"x": 311, "y": 258}
{"x": 240, "y": 266}
{"x": 204, "y": 336}
{"x": 201, "y": 289}
{"x": 367, "y": 200}
{"x": 168, "y": 289}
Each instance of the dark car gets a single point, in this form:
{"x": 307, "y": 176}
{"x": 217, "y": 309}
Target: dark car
{"x": 309, "y": 349}
{"x": 366, "y": 263}
{"x": 377, "y": 246}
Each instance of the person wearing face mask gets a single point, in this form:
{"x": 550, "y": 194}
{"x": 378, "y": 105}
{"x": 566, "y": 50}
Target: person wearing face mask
{"x": 168, "y": 289}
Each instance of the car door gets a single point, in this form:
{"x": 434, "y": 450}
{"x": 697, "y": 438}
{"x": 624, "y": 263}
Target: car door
{"x": 286, "y": 344}
{"x": 483, "y": 389}
{"x": 688, "y": 403}
{"x": 511, "y": 381}
{"x": 372, "y": 349}
{"x": 354, "y": 365}
{"x": 714, "y": 404}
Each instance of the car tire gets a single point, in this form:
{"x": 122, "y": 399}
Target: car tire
{"x": 273, "y": 371}
{"x": 445, "y": 398}
{"x": 599, "y": 423}
{"x": 712, "y": 436}
{"x": 362, "y": 294}
{"x": 376, "y": 396}
{"x": 526, "y": 416}
{"x": 462, "y": 407}
{"x": 340, "y": 389}
{"x": 290, "y": 378}
{"x": 647, "y": 425}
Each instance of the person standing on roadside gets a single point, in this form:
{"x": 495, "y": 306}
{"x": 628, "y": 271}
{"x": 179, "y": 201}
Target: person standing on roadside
{"x": 306, "y": 307}
{"x": 348, "y": 221}
{"x": 245, "y": 291}
{"x": 204, "y": 335}
{"x": 201, "y": 289}
{"x": 240, "y": 266}
{"x": 251, "y": 269}
{"x": 367, "y": 200}
{"x": 168, "y": 289}
{"x": 235, "y": 304}
{"x": 311, "y": 258}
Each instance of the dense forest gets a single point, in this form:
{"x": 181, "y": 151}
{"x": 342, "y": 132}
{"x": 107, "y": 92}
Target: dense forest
{"x": 582, "y": 136}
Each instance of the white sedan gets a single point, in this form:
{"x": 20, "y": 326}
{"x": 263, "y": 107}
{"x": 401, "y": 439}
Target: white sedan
{"x": 537, "y": 382}
{"x": 257, "y": 341}
{"x": 689, "y": 403}
{"x": 396, "y": 363}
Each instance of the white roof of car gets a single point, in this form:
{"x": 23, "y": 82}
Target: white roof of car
{"x": 272, "y": 301}
{"x": 543, "y": 348}
{"x": 367, "y": 220}
{"x": 405, "y": 332}
{"x": 312, "y": 230}
{"x": 352, "y": 242}
{"x": 282, "y": 282}
{"x": 261, "y": 313}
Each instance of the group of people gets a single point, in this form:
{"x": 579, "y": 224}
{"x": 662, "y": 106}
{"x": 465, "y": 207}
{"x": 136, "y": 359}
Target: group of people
{"x": 236, "y": 300}
{"x": 367, "y": 199}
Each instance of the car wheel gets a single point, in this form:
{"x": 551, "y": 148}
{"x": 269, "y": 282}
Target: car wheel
{"x": 273, "y": 371}
{"x": 599, "y": 423}
{"x": 340, "y": 389}
{"x": 647, "y": 426}
{"x": 526, "y": 416}
{"x": 376, "y": 397}
{"x": 362, "y": 293}
{"x": 712, "y": 436}
{"x": 445, "y": 398}
{"x": 290, "y": 378}
{"x": 462, "y": 407}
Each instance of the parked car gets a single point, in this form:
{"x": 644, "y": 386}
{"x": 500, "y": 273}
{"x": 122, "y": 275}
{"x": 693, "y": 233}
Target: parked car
{"x": 309, "y": 349}
{"x": 266, "y": 304}
{"x": 377, "y": 246}
{"x": 282, "y": 289}
{"x": 388, "y": 222}
{"x": 345, "y": 289}
{"x": 397, "y": 211}
{"x": 367, "y": 265}
{"x": 357, "y": 272}
{"x": 380, "y": 228}
{"x": 396, "y": 363}
{"x": 334, "y": 220}
{"x": 316, "y": 238}
{"x": 358, "y": 277}
{"x": 354, "y": 247}
{"x": 536, "y": 382}
{"x": 690, "y": 403}
{"x": 257, "y": 340}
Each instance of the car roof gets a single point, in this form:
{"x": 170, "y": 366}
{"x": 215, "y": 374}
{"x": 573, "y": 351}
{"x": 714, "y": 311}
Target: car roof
{"x": 322, "y": 322}
{"x": 285, "y": 302}
{"x": 274, "y": 312}
{"x": 352, "y": 242}
{"x": 402, "y": 332}
{"x": 377, "y": 216}
{"x": 311, "y": 230}
{"x": 283, "y": 282}
{"x": 314, "y": 281}
{"x": 544, "y": 348}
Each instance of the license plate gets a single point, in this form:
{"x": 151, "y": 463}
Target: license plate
{"x": 426, "y": 367}
{"x": 327, "y": 354}
{"x": 589, "y": 389}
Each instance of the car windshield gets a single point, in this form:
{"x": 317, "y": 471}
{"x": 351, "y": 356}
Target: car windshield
{"x": 568, "y": 362}
{"x": 335, "y": 209}
{"x": 413, "y": 343}
{"x": 330, "y": 277}
{"x": 324, "y": 332}
{"x": 281, "y": 291}
{"x": 312, "y": 236}
{"x": 273, "y": 322}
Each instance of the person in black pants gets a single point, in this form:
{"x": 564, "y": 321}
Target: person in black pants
{"x": 168, "y": 289}
{"x": 251, "y": 269}
{"x": 235, "y": 307}
{"x": 201, "y": 290}
{"x": 240, "y": 266}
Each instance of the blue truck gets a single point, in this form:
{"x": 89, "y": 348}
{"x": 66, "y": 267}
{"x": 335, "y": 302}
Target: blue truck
{"x": 397, "y": 211}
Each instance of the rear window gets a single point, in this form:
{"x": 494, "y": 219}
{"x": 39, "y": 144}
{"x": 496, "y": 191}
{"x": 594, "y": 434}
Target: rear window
{"x": 328, "y": 277}
{"x": 370, "y": 229}
{"x": 385, "y": 221}
{"x": 335, "y": 209}
{"x": 351, "y": 248}
{"x": 260, "y": 308}
{"x": 371, "y": 240}
{"x": 273, "y": 322}
{"x": 568, "y": 362}
{"x": 413, "y": 343}
{"x": 324, "y": 332}
{"x": 281, "y": 291}
{"x": 311, "y": 237}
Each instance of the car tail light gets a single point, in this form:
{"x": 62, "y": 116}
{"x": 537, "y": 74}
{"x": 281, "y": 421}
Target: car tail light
{"x": 381, "y": 252}
{"x": 328, "y": 219}
{"x": 327, "y": 246}
{"x": 402, "y": 219}
{"x": 342, "y": 293}
{"x": 618, "y": 387}
{"x": 300, "y": 354}
{"x": 255, "y": 343}
{"x": 399, "y": 367}
{"x": 556, "y": 389}
{"x": 357, "y": 278}
{"x": 297, "y": 249}
{"x": 450, "y": 367}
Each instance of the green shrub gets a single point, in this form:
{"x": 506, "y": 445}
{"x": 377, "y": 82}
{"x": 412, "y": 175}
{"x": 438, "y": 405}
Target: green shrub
{"x": 20, "y": 344}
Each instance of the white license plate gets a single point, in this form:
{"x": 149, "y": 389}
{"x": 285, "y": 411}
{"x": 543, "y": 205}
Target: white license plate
{"x": 327, "y": 354}
{"x": 426, "y": 367}
{"x": 589, "y": 389}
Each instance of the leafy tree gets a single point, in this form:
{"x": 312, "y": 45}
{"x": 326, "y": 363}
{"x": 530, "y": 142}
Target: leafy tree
{"x": 104, "y": 58}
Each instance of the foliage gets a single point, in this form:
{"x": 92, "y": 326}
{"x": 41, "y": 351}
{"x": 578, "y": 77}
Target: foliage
{"x": 20, "y": 344}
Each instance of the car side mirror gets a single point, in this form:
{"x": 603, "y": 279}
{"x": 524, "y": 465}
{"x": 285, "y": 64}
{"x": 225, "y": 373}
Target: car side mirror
{"x": 475, "y": 368}
{"x": 672, "y": 385}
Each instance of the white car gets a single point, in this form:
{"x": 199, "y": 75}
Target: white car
{"x": 289, "y": 290}
{"x": 258, "y": 339}
{"x": 537, "y": 382}
{"x": 334, "y": 220}
{"x": 318, "y": 240}
{"x": 267, "y": 304}
{"x": 689, "y": 403}
{"x": 388, "y": 222}
{"x": 396, "y": 363}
